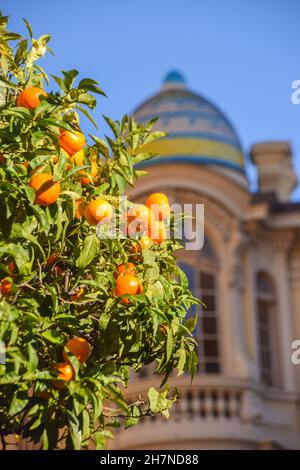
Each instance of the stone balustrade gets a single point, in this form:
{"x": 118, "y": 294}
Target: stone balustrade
{"x": 212, "y": 411}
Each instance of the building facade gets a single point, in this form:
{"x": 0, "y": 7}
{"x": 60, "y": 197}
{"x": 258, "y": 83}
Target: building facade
{"x": 246, "y": 393}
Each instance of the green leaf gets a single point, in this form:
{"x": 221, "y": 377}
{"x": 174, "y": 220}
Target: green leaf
{"x": 85, "y": 424}
{"x": 102, "y": 145}
{"x": 134, "y": 419}
{"x": 3, "y": 22}
{"x": 191, "y": 323}
{"x": 89, "y": 250}
{"x": 182, "y": 361}
{"x": 100, "y": 441}
{"x": 69, "y": 78}
{"x": 18, "y": 403}
{"x": 33, "y": 358}
{"x": 28, "y": 28}
{"x": 60, "y": 167}
{"x": 112, "y": 125}
{"x": 8, "y": 84}
{"x": 87, "y": 114}
{"x": 169, "y": 344}
{"x": 159, "y": 403}
{"x": 53, "y": 336}
{"x": 49, "y": 122}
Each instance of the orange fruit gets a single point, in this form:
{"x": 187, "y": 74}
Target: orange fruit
{"x": 79, "y": 347}
{"x": 90, "y": 177}
{"x": 128, "y": 268}
{"x": 11, "y": 267}
{"x": 58, "y": 271}
{"x": 145, "y": 243}
{"x": 66, "y": 373}
{"x": 79, "y": 293}
{"x": 30, "y": 97}
{"x": 158, "y": 232}
{"x": 159, "y": 205}
{"x": 139, "y": 212}
{"x": 76, "y": 159}
{"x": 47, "y": 191}
{"x": 97, "y": 211}
{"x": 71, "y": 142}
{"x": 128, "y": 284}
{"x": 79, "y": 209}
{"x": 6, "y": 286}
{"x": 52, "y": 258}
{"x": 139, "y": 218}
{"x": 2, "y": 158}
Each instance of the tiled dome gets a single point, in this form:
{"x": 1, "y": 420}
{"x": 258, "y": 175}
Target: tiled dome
{"x": 198, "y": 131}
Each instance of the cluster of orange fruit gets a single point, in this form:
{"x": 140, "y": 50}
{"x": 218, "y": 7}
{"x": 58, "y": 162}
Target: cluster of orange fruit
{"x": 48, "y": 191}
{"x": 81, "y": 349}
{"x": 140, "y": 218}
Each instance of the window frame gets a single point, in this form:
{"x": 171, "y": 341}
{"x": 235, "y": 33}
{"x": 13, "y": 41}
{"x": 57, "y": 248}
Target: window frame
{"x": 203, "y": 264}
{"x": 266, "y": 301}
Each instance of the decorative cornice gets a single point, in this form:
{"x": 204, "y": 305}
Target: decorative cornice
{"x": 275, "y": 240}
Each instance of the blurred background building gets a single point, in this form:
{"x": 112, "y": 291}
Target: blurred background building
{"x": 246, "y": 393}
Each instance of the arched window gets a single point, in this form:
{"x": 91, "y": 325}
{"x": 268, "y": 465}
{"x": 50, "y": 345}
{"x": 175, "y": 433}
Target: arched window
{"x": 266, "y": 329}
{"x": 202, "y": 274}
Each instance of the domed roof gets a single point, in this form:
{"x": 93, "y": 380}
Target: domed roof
{"x": 198, "y": 132}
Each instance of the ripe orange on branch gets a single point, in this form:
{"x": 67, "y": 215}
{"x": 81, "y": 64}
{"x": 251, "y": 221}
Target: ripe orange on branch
{"x": 128, "y": 284}
{"x": 78, "y": 294}
{"x": 71, "y": 142}
{"x": 30, "y": 97}
{"x": 6, "y": 286}
{"x": 66, "y": 373}
{"x": 139, "y": 212}
{"x": 139, "y": 218}
{"x": 47, "y": 191}
{"x": 159, "y": 204}
{"x": 52, "y": 258}
{"x": 98, "y": 210}
{"x": 80, "y": 347}
{"x": 128, "y": 268}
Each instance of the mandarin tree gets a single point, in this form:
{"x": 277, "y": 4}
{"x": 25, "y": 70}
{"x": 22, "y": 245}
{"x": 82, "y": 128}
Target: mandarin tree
{"x": 71, "y": 338}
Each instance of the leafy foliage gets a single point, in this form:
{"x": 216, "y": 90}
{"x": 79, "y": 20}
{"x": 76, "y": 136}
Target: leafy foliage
{"x": 49, "y": 255}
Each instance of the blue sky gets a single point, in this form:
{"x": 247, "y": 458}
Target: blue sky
{"x": 243, "y": 55}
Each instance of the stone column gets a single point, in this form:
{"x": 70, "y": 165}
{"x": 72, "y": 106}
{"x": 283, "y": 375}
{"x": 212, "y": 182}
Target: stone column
{"x": 236, "y": 245}
{"x": 281, "y": 244}
{"x": 294, "y": 269}
{"x": 250, "y": 311}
